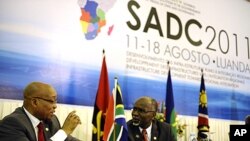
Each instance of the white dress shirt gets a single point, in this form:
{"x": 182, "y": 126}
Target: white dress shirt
{"x": 60, "y": 135}
{"x": 148, "y": 131}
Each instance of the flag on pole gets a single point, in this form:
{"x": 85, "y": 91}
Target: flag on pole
{"x": 203, "y": 110}
{"x": 115, "y": 128}
{"x": 101, "y": 103}
{"x": 170, "y": 111}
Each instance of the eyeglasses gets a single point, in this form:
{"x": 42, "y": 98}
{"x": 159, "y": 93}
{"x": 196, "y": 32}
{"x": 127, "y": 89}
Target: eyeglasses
{"x": 141, "y": 111}
{"x": 48, "y": 100}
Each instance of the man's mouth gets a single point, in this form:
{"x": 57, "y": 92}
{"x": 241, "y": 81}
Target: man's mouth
{"x": 136, "y": 122}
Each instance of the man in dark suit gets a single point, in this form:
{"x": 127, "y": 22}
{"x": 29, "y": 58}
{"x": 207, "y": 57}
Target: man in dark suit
{"x": 247, "y": 120}
{"x": 39, "y": 105}
{"x": 144, "y": 127}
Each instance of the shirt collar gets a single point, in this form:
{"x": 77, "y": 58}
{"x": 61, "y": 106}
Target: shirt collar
{"x": 35, "y": 121}
{"x": 148, "y": 130}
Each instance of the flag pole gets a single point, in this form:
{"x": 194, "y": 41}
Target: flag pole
{"x": 101, "y": 102}
{"x": 168, "y": 64}
{"x": 103, "y": 52}
{"x": 170, "y": 113}
{"x": 116, "y": 81}
{"x": 203, "y": 119}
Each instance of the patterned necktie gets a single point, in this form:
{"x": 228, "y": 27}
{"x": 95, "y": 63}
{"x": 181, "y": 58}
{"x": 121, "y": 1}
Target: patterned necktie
{"x": 40, "y": 136}
{"x": 145, "y": 135}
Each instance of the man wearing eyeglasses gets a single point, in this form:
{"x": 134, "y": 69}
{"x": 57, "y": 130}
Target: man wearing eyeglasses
{"x": 35, "y": 120}
{"x": 144, "y": 127}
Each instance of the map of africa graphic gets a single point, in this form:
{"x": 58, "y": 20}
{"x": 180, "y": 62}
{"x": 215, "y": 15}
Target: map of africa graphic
{"x": 93, "y": 17}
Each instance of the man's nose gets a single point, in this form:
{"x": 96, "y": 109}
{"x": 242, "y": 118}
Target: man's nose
{"x": 54, "y": 105}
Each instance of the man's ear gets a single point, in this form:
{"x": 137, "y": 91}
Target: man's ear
{"x": 154, "y": 114}
{"x": 33, "y": 102}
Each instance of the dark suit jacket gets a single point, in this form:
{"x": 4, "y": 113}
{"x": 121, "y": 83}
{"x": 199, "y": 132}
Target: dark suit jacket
{"x": 18, "y": 127}
{"x": 161, "y": 131}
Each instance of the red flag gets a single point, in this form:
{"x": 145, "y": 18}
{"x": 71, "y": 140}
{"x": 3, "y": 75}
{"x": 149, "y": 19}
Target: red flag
{"x": 101, "y": 104}
{"x": 109, "y": 122}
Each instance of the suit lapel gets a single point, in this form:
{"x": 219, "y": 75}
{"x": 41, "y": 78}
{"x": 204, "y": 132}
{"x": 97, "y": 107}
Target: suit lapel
{"x": 28, "y": 123}
{"x": 47, "y": 132}
{"x": 51, "y": 127}
{"x": 137, "y": 134}
{"x": 154, "y": 132}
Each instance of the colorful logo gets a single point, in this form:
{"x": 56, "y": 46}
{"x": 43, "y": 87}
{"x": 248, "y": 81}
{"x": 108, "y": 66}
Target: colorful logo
{"x": 93, "y": 17}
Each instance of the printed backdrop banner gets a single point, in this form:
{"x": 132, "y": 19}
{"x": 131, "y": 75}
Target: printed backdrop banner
{"x": 61, "y": 41}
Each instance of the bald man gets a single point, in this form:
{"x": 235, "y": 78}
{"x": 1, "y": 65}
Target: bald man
{"x": 144, "y": 127}
{"x": 39, "y": 105}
